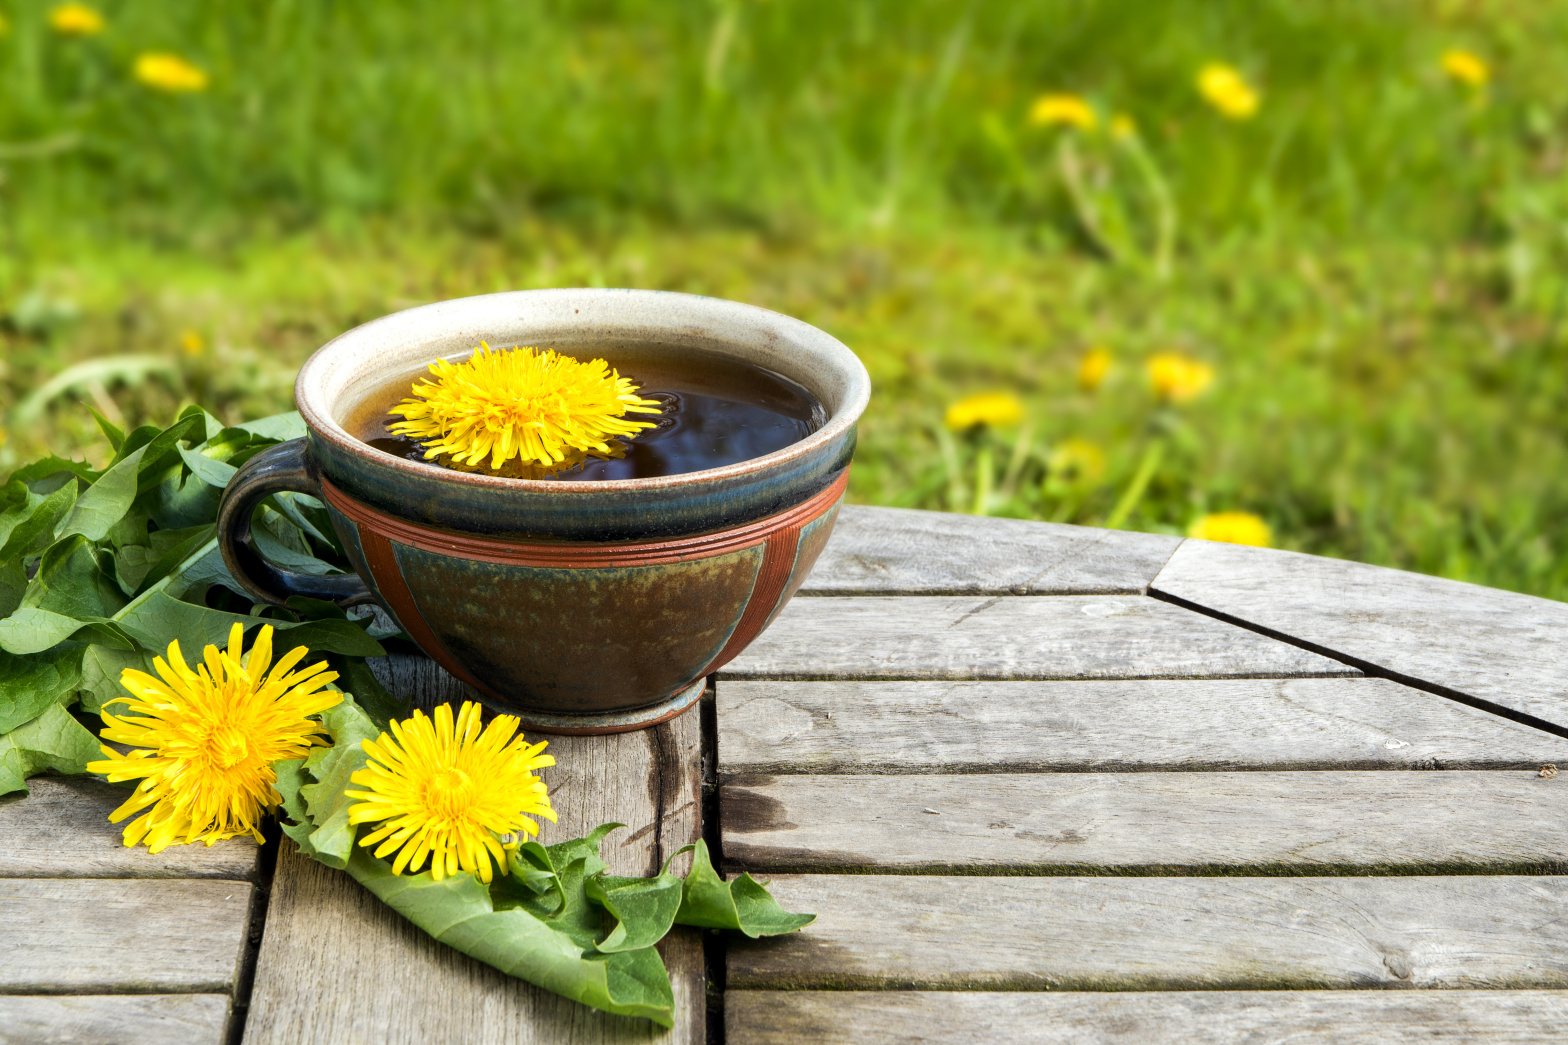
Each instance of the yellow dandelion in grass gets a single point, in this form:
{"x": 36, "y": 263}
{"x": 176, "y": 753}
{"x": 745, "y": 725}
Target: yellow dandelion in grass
{"x": 1123, "y": 126}
{"x": 1232, "y": 528}
{"x": 536, "y": 406}
{"x": 1093, "y": 367}
{"x": 76, "y": 20}
{"x": 1076, "y": 462}
{"x": 1057, "y": 110}
{"x": 1178, "y": 378}
{"x": 169, "y": 72}
{"x": 447, "y": 791}
{"x": 1466, "y": 68}
{"x": 192, "y": 344}
{"x": 204, "y": 741}
{"x": 996, "y": 409}
{"x": 1223, "y": 87}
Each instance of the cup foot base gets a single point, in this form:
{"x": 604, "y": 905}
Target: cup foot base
{"x": 613, "y": 721}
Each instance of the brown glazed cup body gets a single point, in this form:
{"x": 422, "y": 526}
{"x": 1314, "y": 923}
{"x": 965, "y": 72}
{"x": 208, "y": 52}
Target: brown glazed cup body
{"x": 588, "y": 607}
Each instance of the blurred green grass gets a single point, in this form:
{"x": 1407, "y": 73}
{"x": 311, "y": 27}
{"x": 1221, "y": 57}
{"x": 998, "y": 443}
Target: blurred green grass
{"x": 1373, "y": 264}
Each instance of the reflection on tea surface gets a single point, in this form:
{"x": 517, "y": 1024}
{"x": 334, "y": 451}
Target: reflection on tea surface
{"x": 715, "y": 411}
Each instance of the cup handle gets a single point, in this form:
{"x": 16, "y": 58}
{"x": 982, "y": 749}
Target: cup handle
{"x": 285, "y": 467}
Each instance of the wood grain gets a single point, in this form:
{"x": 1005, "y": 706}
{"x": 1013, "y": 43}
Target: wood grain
{"x": 83, "y": 936}
{"x": 62, "y": 830}
{"x": 1163, "y": 933}
{"x": 114, "y": 1019}
{"x": 1495, "y": 645}
{"x": 1011, "y": 637}
{"x": 1145, "y": 1018}
{"x": 1297, "y": 822}
{"x": 882, "y": 551}
{"x": 946, "y": 727}
{"x": 328, "y": 940}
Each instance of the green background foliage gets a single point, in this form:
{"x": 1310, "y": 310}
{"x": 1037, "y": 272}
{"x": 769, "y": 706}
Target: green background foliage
{"x": 1373, "y": 264}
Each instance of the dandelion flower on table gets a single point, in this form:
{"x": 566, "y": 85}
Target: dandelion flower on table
{"x": 521, "y": 403}
{"x": 1223, "y": 87}
{"x": 1466, "y": 68}
{"x": 76, "y": 20}
{"x": 1177, "y": 378}
{"x": 1232, "y": 528}
{"x": 1056, "y": 110}
{"x": 204, "y": 741}
{"x": 445, "y": 791}
{"x": 1093, "y": 367}
{"x": 995, "y": 409}
{"x": 169, "y": 72}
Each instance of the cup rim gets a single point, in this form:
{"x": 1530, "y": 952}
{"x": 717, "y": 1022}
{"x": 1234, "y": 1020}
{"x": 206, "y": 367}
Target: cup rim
{"x": 702, "y": 314}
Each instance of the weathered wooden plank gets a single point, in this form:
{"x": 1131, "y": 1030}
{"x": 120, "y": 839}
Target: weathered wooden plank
{"x": 62, "y": 830}
{"x": 1496, "y": 1017}
{"x": 1012, "y": 637}
{"x": 1304, "y": 823}
{"x": 105, "y": 935}
{"x": 881, "y": 551}
{"x": 1496, "y": 645}
{"x": 925, "y": 727}
{"x": 114, "y": 1019}
{"x": 1116, "y": 933}
{"x": 327, "y": 939}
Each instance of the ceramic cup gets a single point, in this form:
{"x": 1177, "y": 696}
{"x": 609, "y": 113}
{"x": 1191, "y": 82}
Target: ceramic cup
{"x": 582, "y": 607}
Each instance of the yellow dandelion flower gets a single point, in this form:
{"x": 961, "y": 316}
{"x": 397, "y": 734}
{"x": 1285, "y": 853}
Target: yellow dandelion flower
{"x": 206, "y": 740}
{"x": 191, "y": 343}
{"x": 1223, "y": 87}
{"x": 76, "y": 20}
{"x": 1178, "y": 378}
{"x": 1123, "y": 126}
{"x": 446, "y": 791}
{"x": 1093, "y": 367}
{"x": 536, "y": 406}
{"x": 1466, "y": 68}
{"x": 1077, "y": 462}
{"x": 1232, "y": 528}
{"x": 1055, "y": 110}
{"x": 997, "y": 409}
{"x": 169, "y": 72}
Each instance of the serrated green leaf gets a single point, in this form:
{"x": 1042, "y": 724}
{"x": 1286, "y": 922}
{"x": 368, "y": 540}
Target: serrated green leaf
{"x": 210, "y": 471}
{"x": 51, "y": 741}
{"x": 295, "y": 822}
{"x": 644, "y": 909}
{"x": 71, "y": 581}
{"x": 355, "y": 676}
{"x": 106, "y": 501}
{"x": 33, "y": 526}
{"x": 281, "y": 427}
{"x": 111, "y": 431}
{"x": 173, "y": 548}
{"x": 51, "y": 466}
{"x": 157, "y": 618}
{"x": 13, "y": 584}
{"x": 32, "y": 630}
{"x": 101, "y": 670}
{"x": 709, "y": 902}
{"x": 458, "y": 912}
{"x": 333, "y": 838}
{"x": 29, "y": 684}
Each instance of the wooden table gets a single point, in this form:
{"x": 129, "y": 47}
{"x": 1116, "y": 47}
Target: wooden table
{"x": 1041, "y": 783}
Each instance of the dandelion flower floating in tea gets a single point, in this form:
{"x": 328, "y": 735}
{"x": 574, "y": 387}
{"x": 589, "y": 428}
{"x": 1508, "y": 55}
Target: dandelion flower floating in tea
{"x": 537, "y": 407}
{"x": 446, "y": 790}
{"x": 204, "y": 741}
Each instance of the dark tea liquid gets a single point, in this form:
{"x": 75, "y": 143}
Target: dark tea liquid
{"x": 714, "y": 411}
